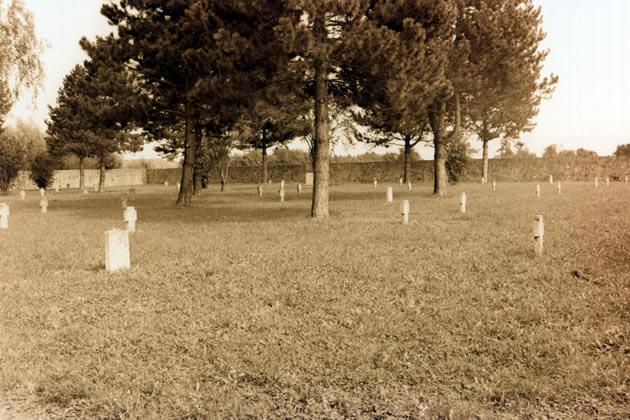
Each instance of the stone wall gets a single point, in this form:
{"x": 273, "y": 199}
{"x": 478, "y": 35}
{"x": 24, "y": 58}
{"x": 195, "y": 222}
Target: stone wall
{"x": 503, "y": 170}
{"x": 69, "y": 178}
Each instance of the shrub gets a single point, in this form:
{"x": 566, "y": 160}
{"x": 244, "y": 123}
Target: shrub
{"x": 11, "y": 160}
{"x": 456, "y": 160}
{"x": 43, "y": 170}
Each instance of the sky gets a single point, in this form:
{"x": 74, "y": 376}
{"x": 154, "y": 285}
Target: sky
{"x": 589, "y": 44}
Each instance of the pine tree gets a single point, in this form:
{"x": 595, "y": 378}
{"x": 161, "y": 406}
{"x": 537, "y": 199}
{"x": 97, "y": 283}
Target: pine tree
{"x": 66, "y": 133}
{"x": 96, "y": 109}
{"x": 507, "y": 88}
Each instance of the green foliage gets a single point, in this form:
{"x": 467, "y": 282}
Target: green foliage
{"x": 456, "y": 160}
{"x": 12, "y": 158}
{"x": 43, "y": 170}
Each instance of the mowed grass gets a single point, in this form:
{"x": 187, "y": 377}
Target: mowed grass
{"x": 240, "y": 307}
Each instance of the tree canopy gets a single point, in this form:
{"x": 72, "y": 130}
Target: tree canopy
{"x": 21, "y": 69}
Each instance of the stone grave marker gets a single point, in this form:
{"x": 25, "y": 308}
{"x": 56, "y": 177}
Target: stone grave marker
{"x": 390, "y": 194}
{"x": 596, "y": 182}
{"x": 4, "y": 216}
{"x": 166, "y": 183}
{"x": 43, "y": 203}
{"x": 130, "y": 216}
{"x": 462, "y": 203}
{"x": 124, "y": 198}
{"x": 57, "y": 188}
{"x": 409, "y": 185}
{"x": 117, "y": 250}
{"x": 309, "y": 179}
{"x": 405, "y": 212}
{"x": 494, "y": 185}
{"x": 400, "y": 181}
{"x": 375, "y": 182}
{"x": 260, "y": 191}
{"x": 42, "y": 192}
{"x": 179, "y": 186}
{"x": 22, "y": 195}
{"x": 539, "y": 233}
{"x": 551, "y": 179}
{"x": 96, "y": 188}
{"x": 299, "y": 188}
{"x": 537, "y": 190}
{"x": 608, "y": 181}
{"x": 559, "y": 187}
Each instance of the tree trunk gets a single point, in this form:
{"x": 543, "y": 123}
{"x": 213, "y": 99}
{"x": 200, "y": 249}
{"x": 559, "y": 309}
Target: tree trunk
{"x": 437, "y": 120}
{"x": 198, "y": 170}
{"x": 319, "y": 207}
{"x": 81, "y": 173}
{"x": 484, "y": 162}
{"x": 440, "y": 179}
{"x": 407, "y": 161}
{"x": 265, "y": 163}
{"x": 186, "y": 189}
{"x": 101, "y": 176}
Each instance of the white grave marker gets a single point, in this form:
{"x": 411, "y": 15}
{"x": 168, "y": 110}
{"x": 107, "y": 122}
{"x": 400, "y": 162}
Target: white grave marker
{"x": 22, "y": 195}
{"x": 537, "y": 190}
{"x": 309, "y": 179}
{"x": 401, "y": 181}
{"x": 390, "y": 194}
{"x": 43, "y": 203}
{"x": 462, "y": 203}
{"x": 596, "y": 182}
{"x": 409, "y": 185}
{"x": 282, "y": 184}
{"x": 57, "y": 188}
{"x": 166, "y": 183}
{"x": 559, "y": 188}
{"x": 260, "y": 191}
{"x": 130, "y": 216}
{"x": 299, "y": 188}
{"x": 4, "y": 216}
{"x": 405, "y": 212}
{"x": 608, "y": 181}
{"x": 281, "y": 195}
{"x": 117, "y": 250}
{"x": 539, "y": 233}
{"x": 375, "y": 182}
{"x": 494, "y": 185}
{"x": 179, "y": 186}
{"x": 42, "y": 192}
{"x": 124, "y": 198}
{"x": 551, "y": 179}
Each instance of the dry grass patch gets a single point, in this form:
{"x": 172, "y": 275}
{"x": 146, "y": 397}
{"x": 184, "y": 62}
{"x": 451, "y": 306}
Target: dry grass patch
{"x": 240, "y": 307}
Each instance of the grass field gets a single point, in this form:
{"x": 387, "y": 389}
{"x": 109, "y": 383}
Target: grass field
{"x": 240, "y": 307}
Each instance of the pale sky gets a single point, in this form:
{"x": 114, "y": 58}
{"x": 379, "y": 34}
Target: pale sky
{"x": 589, "y": 44}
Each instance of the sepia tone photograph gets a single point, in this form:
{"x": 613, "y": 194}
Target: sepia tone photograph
{"x": 314, "y": 209}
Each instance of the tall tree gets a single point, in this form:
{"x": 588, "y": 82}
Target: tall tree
{"x": 66, "y": 133}
{"x": 21, "y": 68}
{"x": 325, "y": 38}
{"x": 273, "y": 121}
{"x": 506, "y": 89}
{"x": 97, "y": 108}
{"x": 397, "y": 89}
